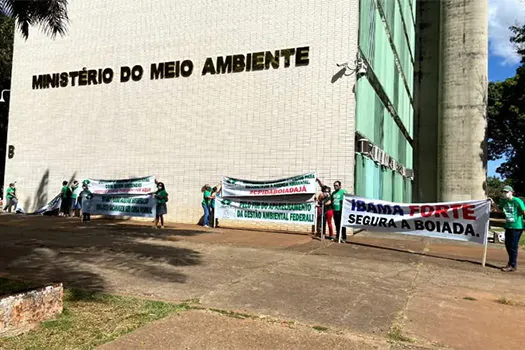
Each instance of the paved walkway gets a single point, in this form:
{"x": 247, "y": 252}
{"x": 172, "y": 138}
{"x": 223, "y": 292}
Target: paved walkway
{"x": 371, "y": 293}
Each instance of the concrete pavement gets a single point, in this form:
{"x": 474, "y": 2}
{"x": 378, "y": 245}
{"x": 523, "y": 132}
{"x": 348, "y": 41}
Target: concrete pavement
{"x": 372, "y": 290}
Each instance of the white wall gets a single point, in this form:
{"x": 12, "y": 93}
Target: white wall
{"x": 186, "y": 131}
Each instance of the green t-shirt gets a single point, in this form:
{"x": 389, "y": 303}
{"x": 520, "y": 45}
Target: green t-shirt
{"x": 513, "y": 210}
{"x": 64, "y": 191}
{"x": 337, "y": 199}
{"x": 206, "y": 200}
{"x": 328, "y": 206}
{"x": 76, "y": 191}
{"x": 161, "y": 196}
{"x": 10, "y": 192}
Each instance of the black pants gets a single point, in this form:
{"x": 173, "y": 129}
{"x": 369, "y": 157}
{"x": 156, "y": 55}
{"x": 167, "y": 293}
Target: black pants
{"x": 512, "y": 242}
{"x": 337, "y": 219}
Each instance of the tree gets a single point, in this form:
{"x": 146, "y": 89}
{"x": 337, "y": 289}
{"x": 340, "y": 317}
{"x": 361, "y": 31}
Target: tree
{"x": 495, "y": 188}
{"x": 506, "y": 120}
{"x": 7, "y": 28}
{"x": 49, "y": 15}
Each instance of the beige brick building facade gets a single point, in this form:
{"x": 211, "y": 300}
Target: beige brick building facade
{"x": 187, "y": 131}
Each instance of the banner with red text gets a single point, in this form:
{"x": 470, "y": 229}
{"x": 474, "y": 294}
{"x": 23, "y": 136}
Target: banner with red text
{"x": 464, "y": 221}
{"x": 137, "y": 186}
{"x": 297, "y": 185}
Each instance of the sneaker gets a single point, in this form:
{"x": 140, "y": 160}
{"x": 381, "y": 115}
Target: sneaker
{"x": 206, "y": 226}
{"x": 508, "y": 269}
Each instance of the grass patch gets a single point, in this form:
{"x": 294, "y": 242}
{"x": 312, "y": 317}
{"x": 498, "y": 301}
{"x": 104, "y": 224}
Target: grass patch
{"x": 234, "y": 314}
{"x": 504, "y": 301}
{"x": 92, "y": 319}
{"x": 510, "y": 302}
{"x": 470, "y": 298}
{"x": 395, "y": 335}
{"x": 321, "y": 328}
{"x": 522, "y": 241}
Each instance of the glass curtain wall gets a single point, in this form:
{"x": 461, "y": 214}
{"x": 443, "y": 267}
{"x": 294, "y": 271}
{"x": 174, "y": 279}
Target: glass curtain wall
{"x": 384, "y": 96}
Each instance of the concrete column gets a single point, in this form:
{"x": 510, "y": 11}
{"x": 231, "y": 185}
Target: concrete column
{"x": 463, "y": 98}
{"x": 426, "y": 100}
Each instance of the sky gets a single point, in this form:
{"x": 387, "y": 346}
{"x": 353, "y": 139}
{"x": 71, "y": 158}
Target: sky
{"x": 503, "y": 59}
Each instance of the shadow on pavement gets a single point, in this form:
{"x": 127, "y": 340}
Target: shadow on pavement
{"x": 42, "y": 250}
{"x": 430, "y": 255}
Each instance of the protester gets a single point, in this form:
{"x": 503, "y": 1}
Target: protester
{"x": 65, "y": 195}
{"x": 214, "y": 193}
{"x": 514, "y": 210}
{"x": 206, "y": 204}
{"x": 328, "y": 211}
{"x": 82, "y": 196}
{"x": 162, "y": 197}
{"x": 11, "y": 199}
{"x": 75, "y": 205}
{"x": 337, "y": 198}
{"x": 319, "y": 198}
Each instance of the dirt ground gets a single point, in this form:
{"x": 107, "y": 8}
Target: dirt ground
{"x": 380, "y": 291}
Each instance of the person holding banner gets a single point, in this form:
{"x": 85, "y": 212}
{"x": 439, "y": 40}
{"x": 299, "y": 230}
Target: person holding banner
{"x": 65, "y": 195}
{"x": 514, "y": 210}
{"x": 337, "y": 198}
{"x": 83, "y": 195}
{"x": 162, "y": 197}
{"x": 214, "y": 193}
{"x": 11, "y": 199}
{"x": 75, "y": 205}
{"x": 328, "y": 211}
{"x": 206, "y": 204}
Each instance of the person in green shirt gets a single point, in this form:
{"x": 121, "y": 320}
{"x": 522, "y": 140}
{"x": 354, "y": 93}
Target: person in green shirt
{"x": 65, "y": 196}
{"x": 75, "y": 203}
{"x": 84, "y": 196}
{"x": 11, "y": 199}
{"x": 337, "y": 205}
{"x": 514, "y": 209}
{"x": 206, "y": 204}
{"x": 162, "y": 197}
{"x": 214, "y": 193}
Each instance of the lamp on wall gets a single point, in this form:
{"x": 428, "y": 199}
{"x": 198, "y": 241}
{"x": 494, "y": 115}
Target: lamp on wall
{"x": 2, "y": 94}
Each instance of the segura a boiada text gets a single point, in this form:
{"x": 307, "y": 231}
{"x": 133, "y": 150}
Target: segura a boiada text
{"x": 238, "y": 63}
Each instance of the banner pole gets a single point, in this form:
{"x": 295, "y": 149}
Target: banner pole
{"x": 341, "y": 223}
{"x": 485, "y": 253}
{"x": 322, "y": 222}
{"x": 486, "y": 240}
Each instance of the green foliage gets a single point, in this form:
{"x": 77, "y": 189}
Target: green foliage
{"x": 506, "y": 120}
{"x": 49, "y": 15}
{"x": 495, "y": 187}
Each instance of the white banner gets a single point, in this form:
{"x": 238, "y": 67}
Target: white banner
{"x": 289, "y": 213}
{"x": 464, "y": 221}
{"x": 137, "y": 206}
{"x": 297, "y": 185}
{"x": 136, "y": 186}
{"x": 53, "y": 205}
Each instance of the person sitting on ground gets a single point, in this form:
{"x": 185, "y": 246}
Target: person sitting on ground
{"x": 75, "y": 205}
{"x": 206, "y": 204}
{"x": 337, "y": 198}
{"x": 514, "y": 211}
{"x": 162, "y": 197}
{"x": 82, "y": 196}
{"x": 65, "y": 195}
{"x": 11, "y": 199}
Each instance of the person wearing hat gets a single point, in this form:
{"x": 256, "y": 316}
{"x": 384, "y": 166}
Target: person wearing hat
{"x": 12, "y": 200}
{"x": 514, "y": 210}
